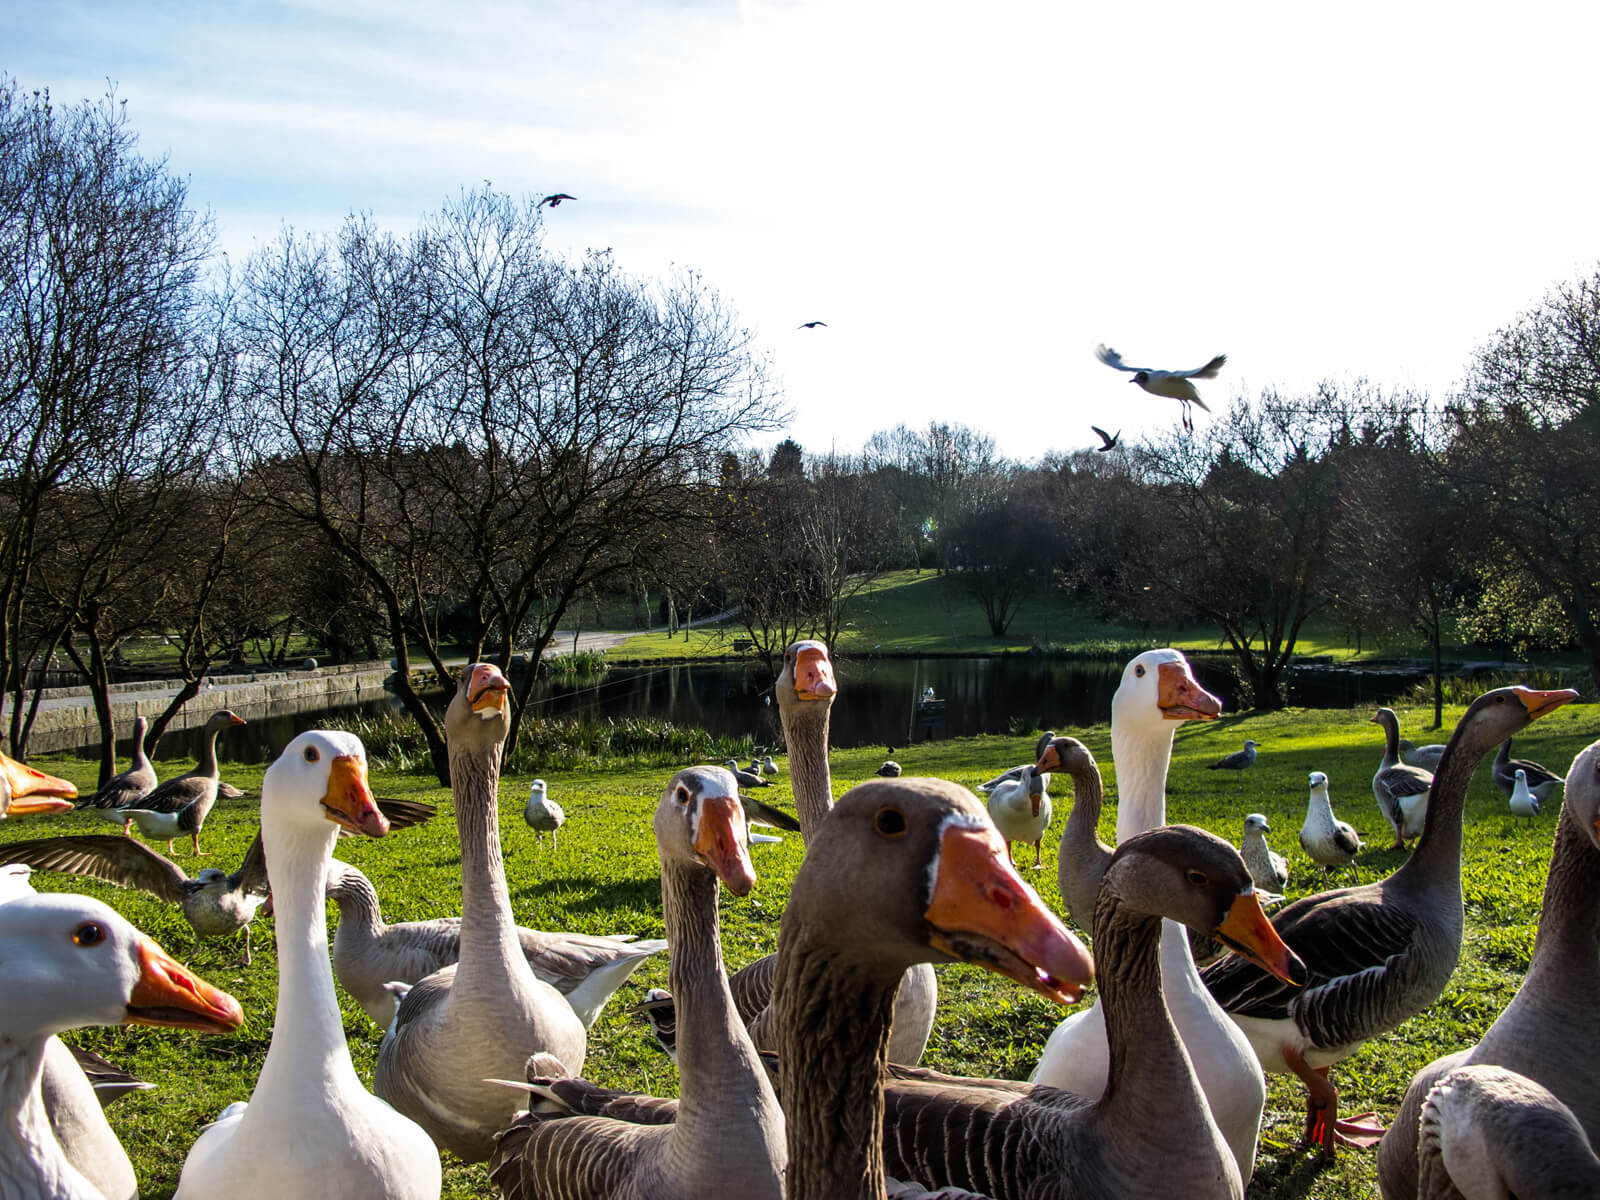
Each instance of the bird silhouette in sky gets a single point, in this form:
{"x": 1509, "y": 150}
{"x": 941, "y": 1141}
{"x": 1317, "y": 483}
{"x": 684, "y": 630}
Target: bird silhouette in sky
{"x": 554, "y": 199}
{"x": 1110, "y": 440}
{"x": 1174, "y": 385}
{"x": 811, "y": 324}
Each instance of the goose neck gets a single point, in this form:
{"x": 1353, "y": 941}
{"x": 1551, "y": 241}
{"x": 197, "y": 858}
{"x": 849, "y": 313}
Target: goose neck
{"x": 32, "y": 1163}
{"x": 1569, "y": 924}
{"x": 1437, "y": 859}
{"x": 1087, "y": 798}
{"x": 359, "y": 909}
{"x": 805, "y": 729}
{"x": 488, "y": 930}
{"x": 1141, "y": 755}
{"x": 207, "y": 766}
{"x": 1391, "y": 737}
{"x": 1139, "y": 1029}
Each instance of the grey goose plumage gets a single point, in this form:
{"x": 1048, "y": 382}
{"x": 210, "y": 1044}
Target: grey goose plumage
{"x": 1082, "y": 858}
{"x": 124, "y": 790}
{"x": 1542, "y": 781}
{"x": 1400, "y": 789}
{"x": 182, "y": 803}
{"x": 1547, "y": 1031}
{"x": 1377, "y": 954}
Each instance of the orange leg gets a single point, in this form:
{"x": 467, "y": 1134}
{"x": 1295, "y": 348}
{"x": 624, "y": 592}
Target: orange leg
{"x": 1323, "y": 1126}
{"x": 197, "y": 849}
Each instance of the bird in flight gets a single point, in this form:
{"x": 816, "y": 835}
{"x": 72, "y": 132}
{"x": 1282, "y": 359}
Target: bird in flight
{"x": 1174, "y": 385}
{"x": 811, "y": 324}
{"x": 554, "y": 199}
{"x": 1110, "y": 440}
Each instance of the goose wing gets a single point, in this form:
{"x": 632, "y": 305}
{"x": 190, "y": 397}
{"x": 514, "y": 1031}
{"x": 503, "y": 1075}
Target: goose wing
{"x": 177, "y": 794}
{"x": 251, "y": 877}
{"x": 108, "y": 857}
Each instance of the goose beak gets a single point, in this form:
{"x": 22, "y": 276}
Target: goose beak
{"x": 1035, "y": 792}
{"x": 1246, "y": 930}
{"x": 813, "y": 674}
{"x": 982, "y": 912}
{"x": 33, "y": 793}
{"x": 1049, "y": 760}
{"x": 1539, "y": 703}
{"x": 167, "y": 993}
{"x": 717, "y": 841}
{"x": 486, "y": 688}
{"x": 1181, "y": 698}
{"x": 349, "y": 803}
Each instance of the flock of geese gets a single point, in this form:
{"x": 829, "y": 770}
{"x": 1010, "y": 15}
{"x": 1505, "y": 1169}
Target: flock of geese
{"x": 798, "y": 1074}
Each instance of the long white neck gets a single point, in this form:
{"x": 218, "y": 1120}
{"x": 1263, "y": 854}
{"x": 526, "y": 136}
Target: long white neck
{"x": 1142, "y": 752}
{"x": 32, "y": 1165}
{"x": 307, "y": 1031}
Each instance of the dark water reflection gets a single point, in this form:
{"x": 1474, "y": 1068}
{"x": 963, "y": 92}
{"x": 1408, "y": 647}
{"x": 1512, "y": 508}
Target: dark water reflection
{"x": 877, "y": 702}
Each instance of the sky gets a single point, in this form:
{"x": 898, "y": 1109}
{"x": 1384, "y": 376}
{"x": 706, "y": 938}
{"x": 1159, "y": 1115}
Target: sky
{"x": 971, "y": 196}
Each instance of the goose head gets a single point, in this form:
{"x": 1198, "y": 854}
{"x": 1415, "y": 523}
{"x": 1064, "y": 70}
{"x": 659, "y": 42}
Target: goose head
{"x": 1194, "y": 877}
{"x": 913, "y": 870}
{"x": 26, "y": 792}
{"x": 479, "y": 714}
{"x": 1583, "y": 792}
{"x": 701, "y": 821}
{"x": 807, "y": 675}
{"x": 70, "y": 961}
{"x": 223, "y": 718}
{"x": 1495, "y": 716}
{"x": 321, "y": 777}
{"x": 1384, "y": 717}
{"x": 1157, "y": 687}
{"x": 1065, "y": 754}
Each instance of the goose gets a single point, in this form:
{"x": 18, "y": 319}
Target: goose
{"x": 181, "y": 804}
{"x": 1082, "y": 859}
{"x": 901, "y": 871}
{"x": 1239, "y": 760}
{"x": 1020, "y": 810}
{"x": 310, "y": 1127}
{"x": 215, "y": 903}
{"x": 1427, "y": 757}
{"x": 1400, "y": 790}
{"x": 542, "y": 814}
{"x": 1268, "y": 868}
{"x": 484, "y": 1016}
{"x": 746, "y": 779}
{"x": 125, "y": 790}
{"x": 1021, "y": 770}
{"x": 1151, "y": 1128}
{"x": 1487, "y": 1133}
{"x": 1523, "y": 802}
{"x": 1541, "y": 780}
{"x": 1157, "y": 692}
{"x": 1377, "y": 954}
{"x": 1547, "y": 1031}
{"x": 1329, "y": 841}
{"x": 25, "y": 792}
{"x": 110, "y": 1082}
{"x": 369, "y": 955}
{"x": 70, "y": 961}
{"x": 727, "y": 1136}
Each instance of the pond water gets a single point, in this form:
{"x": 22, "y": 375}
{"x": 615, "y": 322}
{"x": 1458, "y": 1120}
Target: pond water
{"x": 877, "y": 702}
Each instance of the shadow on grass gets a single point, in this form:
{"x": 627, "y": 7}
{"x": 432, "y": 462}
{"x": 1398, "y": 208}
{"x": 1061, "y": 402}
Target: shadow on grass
{"x": 587, "y": 893}
{"x": 1290, "y": 1172}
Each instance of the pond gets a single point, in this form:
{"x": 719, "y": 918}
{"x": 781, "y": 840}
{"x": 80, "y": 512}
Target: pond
{"x": 877, "y": 702}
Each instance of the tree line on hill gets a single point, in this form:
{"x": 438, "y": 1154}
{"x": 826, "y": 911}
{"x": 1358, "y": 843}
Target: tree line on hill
{"x": 394, "y": 443}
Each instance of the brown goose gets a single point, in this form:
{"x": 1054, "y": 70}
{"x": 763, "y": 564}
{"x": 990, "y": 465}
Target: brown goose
{"x": 181, "y": 804}
{"x": 728, "y": 1135}
{"x": 124, "y": 791}
{"x": 1152, "y": 1128}
{"x": 1082, "y": 859}
{"x": 1377, "y": 954}
{"x": 1487, "y": 1134}
{"x": 1541, "y": 780}
{"x": 1400, "y": 789}
{"x": 1547, "y": 1031}
{"x": 369, "y": 954}
{"x": 486, "y": 1016}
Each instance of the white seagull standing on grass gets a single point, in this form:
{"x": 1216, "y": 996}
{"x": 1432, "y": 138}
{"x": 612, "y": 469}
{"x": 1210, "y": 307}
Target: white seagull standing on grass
{"x": 1174, "y": 385}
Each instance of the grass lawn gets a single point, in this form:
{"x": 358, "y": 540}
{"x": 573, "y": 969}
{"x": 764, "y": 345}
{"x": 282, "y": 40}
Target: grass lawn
{"x": 603, "y": 879}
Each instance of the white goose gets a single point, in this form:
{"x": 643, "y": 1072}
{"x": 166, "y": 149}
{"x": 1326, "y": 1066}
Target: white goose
{"x": 69, "y": 961}
{"x": 1158, "y": 691}
{"x": 311, "y": 1128}
{"x": 1020, "y": 810}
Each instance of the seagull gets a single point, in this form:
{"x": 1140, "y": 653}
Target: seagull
{"x": 812, "y": 325}
{"x": 1110, "y": 440}
{"x": 542, "y": 814}
{"x": 555, "y": 199}
{"x": 1174, "y": 385}
{"x": 1239, "y": 760}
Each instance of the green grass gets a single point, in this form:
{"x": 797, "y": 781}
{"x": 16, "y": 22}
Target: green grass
{"x": 603, "y": 879}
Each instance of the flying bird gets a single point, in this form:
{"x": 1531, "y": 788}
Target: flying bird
{"x": 1174, "y": 385}
{"x": 812, "y": 325}
{"x": 554, "y": 199}
{"x": 1110, "y": 440}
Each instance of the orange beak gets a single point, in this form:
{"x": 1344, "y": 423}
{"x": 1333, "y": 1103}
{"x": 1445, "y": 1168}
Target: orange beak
{"x": 813, "y": 673}
{"x": 1539, "y": 703}
{"x": 33, "y": 792}
{"x": 1050, "y": 760}
{"x": 1246, "y": 930}
{"x": 982, "y": 912}
{"x": 486, "y": 687}
{"x": 169, "y": 994}
{"x": 1035, "y": 792}
{"x": 1181, "y": 698}
{"x": 718, "y": 840}
{"x": 349, "y": 803}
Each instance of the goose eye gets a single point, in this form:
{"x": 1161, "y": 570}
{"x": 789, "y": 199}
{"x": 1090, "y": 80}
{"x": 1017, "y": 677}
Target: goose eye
{"x": 1198, "y": 878}
{"x": 88, "y": 934}
{"x": 311, "y": 754}
{"x": 682, "y": 795}
{"x": 1138, "y": 671}
{"x": 890, "y": 822}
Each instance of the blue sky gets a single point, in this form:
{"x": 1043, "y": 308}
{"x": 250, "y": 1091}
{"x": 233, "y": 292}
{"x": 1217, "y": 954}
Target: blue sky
{"x": 972, "y": 196}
